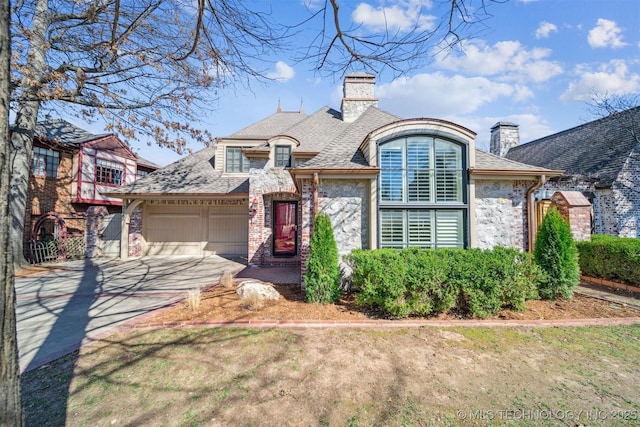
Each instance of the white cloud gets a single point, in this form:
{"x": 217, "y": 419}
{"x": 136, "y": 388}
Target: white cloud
{"x": 283, "y": 73}
{"x": 438, "y": 95}
{"x": 507, "y": 59}
{"x": 404, "y": 16}
{"x": 545, "y": 29}
{"x": 606, "y": 34}
{"x": 612, "y": 78}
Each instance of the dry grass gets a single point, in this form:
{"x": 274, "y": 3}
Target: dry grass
{"x": 194, "y": 298}
{"x": 253, "y": 302}
{"x": 226, "y": 281}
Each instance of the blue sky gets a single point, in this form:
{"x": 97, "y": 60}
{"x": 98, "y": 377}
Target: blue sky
{"x": 536, "y": 64}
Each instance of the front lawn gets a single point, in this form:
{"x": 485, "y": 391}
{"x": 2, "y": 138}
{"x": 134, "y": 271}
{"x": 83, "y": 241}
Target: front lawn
{"x": 338, "y": 377}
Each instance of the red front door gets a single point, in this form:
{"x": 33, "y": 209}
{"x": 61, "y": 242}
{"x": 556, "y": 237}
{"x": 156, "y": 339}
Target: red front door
{"x": 285, "y": 228}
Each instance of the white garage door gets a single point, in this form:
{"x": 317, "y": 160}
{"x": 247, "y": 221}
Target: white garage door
{"x": 195, "y": 230}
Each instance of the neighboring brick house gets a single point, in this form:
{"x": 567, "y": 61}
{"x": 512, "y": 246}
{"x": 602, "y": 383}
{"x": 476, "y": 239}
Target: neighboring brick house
{"x": 69, "y": 170}
{"x": 601, "y": 159}
{"x": 384, "y": 181}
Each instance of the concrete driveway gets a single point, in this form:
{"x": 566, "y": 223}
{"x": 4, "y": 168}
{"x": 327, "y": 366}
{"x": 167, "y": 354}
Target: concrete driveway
{"x": 84, "y": 300}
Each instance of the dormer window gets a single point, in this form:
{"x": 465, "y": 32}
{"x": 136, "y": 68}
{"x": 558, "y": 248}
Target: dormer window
{"x": 283, "y": 156}
{"x": 236, "y": 162}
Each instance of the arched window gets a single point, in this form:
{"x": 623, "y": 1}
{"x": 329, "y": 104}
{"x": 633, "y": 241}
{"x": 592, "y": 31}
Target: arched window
{"x": 422, "y": 193}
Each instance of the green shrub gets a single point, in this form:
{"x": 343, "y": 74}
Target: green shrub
{"x": 322, "y": 278}
{"x": 612, "y": 258}
{"x": 556, "y": 254}
{"x": 421, "y": 282}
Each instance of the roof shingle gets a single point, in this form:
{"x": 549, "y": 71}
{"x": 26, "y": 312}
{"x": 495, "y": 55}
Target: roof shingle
{"x": 596, "y": 150}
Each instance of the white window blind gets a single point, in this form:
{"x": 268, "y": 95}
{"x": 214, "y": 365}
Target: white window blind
{"x": 417, "y": 174}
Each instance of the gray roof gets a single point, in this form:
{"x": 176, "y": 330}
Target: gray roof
{"x": 146, "y": 163}
{"x": 343, "y": 152}
{"x": 275, "y": 124}
{"x": 488, "y": 161}
{"x": 195, "y": 174}
{"x": 312, "y": 131}
{"x": 324, "y": 132}
{"x": 595, "y": 150}
{"x": 63, "y": 132}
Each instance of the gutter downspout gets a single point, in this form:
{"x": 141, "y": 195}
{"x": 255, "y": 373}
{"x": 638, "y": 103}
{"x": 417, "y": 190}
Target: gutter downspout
{"x": 314, "y": 208}
{"x": 532, "y": 226}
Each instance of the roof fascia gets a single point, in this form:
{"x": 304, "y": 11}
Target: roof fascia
{"x": 506, "y": 173}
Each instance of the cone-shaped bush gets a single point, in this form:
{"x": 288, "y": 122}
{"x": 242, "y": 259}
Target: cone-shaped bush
{"x": 556, "y": 255}
{"x": 322, "y": 279}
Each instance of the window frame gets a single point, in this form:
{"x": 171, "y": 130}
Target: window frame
{"x": 110, "y": 168}
{"x": 407, "y": 208}
{"x": 50, "y": 160}
{"x": 243, "y": 161}
{"x": 277, "y": 158}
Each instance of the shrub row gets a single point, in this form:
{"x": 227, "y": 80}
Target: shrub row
{"x": 612, "y": 258}
{"x": 422, "y": 282}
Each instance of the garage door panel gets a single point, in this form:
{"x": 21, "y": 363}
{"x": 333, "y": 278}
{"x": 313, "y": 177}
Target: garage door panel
{"x": 174, "y": 248}
{"x": 169, "y": 227}
{"x": 196, "y": 230}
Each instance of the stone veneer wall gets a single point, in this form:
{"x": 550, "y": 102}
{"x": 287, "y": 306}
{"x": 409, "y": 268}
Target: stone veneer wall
{"x": 603, "y": 203}
{"x": 136, "y": 241}
{"x": 93, "y": 232}
{"x": 347, "y": 204}
{"x": 626, "y": 191}
{"x": 96, "y": 226}
{"x": 501, "y": 213}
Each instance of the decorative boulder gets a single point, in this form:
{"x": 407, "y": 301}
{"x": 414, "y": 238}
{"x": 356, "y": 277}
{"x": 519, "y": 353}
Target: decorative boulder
{"x": 263, "y": 291}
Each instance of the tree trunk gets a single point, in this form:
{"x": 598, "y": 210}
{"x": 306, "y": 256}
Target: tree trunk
{"x": 10, "y": 403}
{"x": 24, "y": 128}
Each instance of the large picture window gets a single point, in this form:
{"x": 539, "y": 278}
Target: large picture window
{"x": 422, "y": 193}
{"x": 235, "y": 161}
{"x": 45, "y": 162}
{"x": 110, "y": 173}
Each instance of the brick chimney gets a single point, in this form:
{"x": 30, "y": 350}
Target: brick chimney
{"x": 357, "y": 95}
{"x": 504, "y": 135}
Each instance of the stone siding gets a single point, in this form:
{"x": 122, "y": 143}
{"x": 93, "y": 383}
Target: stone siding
{"x": 626, "y": 191}
{"x": 616, "y": 210}
{"x": 501, "y": 213}
{"x": 347, "y": 204}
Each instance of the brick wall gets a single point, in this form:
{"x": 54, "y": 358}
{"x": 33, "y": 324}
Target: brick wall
{"x": 578, "y": 215}
{"x": 48, "y": 194}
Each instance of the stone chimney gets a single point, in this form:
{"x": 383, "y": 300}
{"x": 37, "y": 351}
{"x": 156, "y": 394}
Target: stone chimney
{"x": 504, "y": 135}
{"x": 358, "y": 95}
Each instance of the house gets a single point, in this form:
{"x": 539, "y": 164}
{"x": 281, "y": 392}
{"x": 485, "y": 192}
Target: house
{"x": 70, "y": 168}
{"x": 383, "y": 180}
{"x": 600, "y": 158}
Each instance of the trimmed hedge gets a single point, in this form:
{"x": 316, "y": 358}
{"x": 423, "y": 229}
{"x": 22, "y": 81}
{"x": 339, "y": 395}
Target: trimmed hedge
{"x": 421, "y": 282}
{"x": 612, "y": 258}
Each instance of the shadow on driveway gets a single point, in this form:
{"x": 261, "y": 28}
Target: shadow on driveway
{"x": 84, "y": 300}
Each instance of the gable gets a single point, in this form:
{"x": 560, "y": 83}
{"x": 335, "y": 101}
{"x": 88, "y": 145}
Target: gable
{"x": 111, "y": 145}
